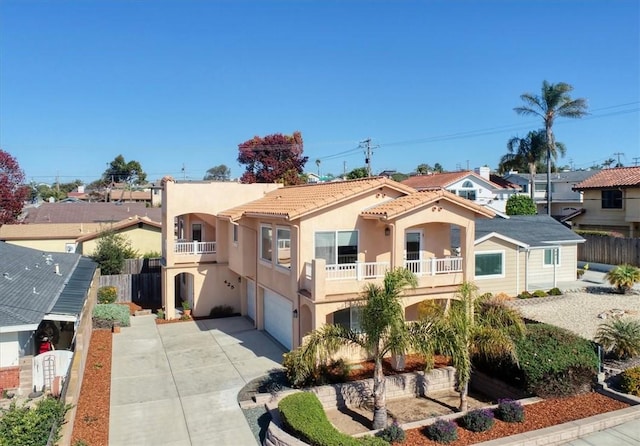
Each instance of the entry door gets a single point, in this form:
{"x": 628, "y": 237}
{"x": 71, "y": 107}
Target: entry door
{"x": 413, "y": 251}
{"x": 196, "y": 232}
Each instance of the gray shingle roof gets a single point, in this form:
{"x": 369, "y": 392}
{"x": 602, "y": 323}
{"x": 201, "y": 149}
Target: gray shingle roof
{"x": 532, "y": 230}
{"x": 82, "y": 212}
{"x": 32, "y": 281}
{"x": 574, "y": 176}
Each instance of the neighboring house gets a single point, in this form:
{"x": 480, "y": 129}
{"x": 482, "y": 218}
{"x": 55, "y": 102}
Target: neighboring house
{"x": 144, "y": 235}
{"x": 296, "y": 258}
{"x": 83, "y": 212}
{"x": 565, "y": 201}
{"x": 41, "y": 294}
{"x": 475, "y": 186}
{"x": 611, "y": 201}
{"x": 524, "y": 252}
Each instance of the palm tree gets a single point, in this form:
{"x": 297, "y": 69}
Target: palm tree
{"x": 480, "y": 326}
{"x": 318, "y": 162}
{"x": 553, "y": 102}
{"x": 383, "y": 331}
{"x": 623, "y": 277}
{"x": 621, "y": 337}
{"x": 529, "y": 151}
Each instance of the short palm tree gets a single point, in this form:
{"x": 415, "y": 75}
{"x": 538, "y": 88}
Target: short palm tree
{"x": 383, "y": 331}
{"x": 480, "y": 328}
{"x": 554, "y": 101}
{"x": 620, "y": 337}
{"x": 623, "y": 277}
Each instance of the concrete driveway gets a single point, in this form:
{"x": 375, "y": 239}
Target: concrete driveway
{"x": 177, "y": 384}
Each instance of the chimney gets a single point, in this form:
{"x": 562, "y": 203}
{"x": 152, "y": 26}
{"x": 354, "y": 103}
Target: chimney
{"x": 483, "y": 171}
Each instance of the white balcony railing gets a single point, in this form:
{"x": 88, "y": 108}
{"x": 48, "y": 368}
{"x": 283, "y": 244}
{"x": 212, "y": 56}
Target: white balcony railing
{"x": 190, "y": 248}
{"x": 357, "y": 271}
{"x": 433, "y": 266}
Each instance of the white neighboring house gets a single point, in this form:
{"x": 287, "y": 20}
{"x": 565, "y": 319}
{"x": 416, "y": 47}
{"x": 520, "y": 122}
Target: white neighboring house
{"x": 478, "y": 186}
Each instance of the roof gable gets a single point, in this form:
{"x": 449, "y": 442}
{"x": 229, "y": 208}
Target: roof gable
{"x": 446, "y": 179}
{"x": 293, "y": 202}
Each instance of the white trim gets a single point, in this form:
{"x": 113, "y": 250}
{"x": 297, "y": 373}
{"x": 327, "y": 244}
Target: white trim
{"x": 260, "y": 258}
{"x": 335, "y": 232}
{"x": 18, "y": 328}
{"x": 60, "y": 317}
{"x": 544, "y": 256}
{"x": 501, "y": 237}
{"x": 502, "y": 252}
{"x": 282, "y": 266}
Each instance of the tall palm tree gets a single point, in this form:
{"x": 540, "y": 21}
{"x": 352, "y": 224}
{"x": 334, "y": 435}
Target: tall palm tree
{"x": 383, "y": 331}
{"x": 554, "y": 101}
{"x": 529, "y": 151}
{"x": 480, "y": 326}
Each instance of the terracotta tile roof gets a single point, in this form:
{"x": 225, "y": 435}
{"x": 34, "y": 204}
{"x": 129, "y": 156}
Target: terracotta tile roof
{"x": 295, "y": 201}
{"x": 436, "y": 180}
{"x": 83, "y": 212}
{"x": 43, "y": 231}
{"x": 503, "y": 183}
{"x": 394, "y": 208}
{"x": 117, "y": 194}
{"x": 617, "y": 177}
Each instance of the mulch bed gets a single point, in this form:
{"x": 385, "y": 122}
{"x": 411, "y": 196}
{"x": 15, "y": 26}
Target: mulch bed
{"x": 537, "y": 416}
{"x": 92, "y": 415}
{"x": 413, "y": 363}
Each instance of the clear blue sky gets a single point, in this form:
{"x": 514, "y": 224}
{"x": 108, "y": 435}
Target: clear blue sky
{"x": 182, "y": 83}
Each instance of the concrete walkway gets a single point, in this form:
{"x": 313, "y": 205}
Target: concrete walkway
{"x": 177, "y": 384}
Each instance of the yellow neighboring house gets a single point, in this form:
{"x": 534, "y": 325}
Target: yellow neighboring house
{"x": 296, "y": 258}
{"x": 144, "y": 234}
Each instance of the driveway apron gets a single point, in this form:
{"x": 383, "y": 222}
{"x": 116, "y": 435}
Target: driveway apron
{"x": 177, "y": 384}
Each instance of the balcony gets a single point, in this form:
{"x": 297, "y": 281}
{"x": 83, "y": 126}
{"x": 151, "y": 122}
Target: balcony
{"x": 193, "y": 252}
{"x": 323, "y": 280}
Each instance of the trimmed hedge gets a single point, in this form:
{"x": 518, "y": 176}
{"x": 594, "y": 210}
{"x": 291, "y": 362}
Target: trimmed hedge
{"x": 108, "y": 315}
{"x": 304, "y": 417}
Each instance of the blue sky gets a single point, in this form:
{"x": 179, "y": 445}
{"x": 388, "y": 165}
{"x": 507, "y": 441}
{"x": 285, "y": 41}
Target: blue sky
{"x": 176, "y": 84}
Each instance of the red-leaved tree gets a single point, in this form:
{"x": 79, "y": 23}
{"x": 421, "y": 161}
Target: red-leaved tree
{"x": 274, "y": 158}
{"x": 13, "y": 191}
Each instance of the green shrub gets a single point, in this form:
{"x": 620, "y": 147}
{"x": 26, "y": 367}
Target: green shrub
{"x": 304, "y": 417}
{"x": 22, "y": 426}
{"x": 478, "y": 420}
{"x": 107, "y": 294}
{"x": 579, "y": 273}
{"x": 623, "y": 277}
{"x": 510, "y": 411}
{"x": 160, "y": 313}
{"x": 555, "y": 362}
{"x": 539, "y": 293}
{"x": 392, "y": 433}
{"x": 442, "y": 431}
{"x": 186, "y": 305}
{"x": 152, "y": 255}
{"x": 297, "y": 371}
{"x": 107, "y": 315}
{"x": 525, "y": 295}
{"x": 555, "y": 292}
{"x": 220, "y": 311}
{"x": 620, "y": 337}
{"x": 630, "y": 381}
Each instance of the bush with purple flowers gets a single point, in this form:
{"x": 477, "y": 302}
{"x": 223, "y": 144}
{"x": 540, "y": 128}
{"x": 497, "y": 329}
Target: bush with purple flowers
{"x": 510, "y": 411}
{"x": 442, "y": 431}
{"x": 478, "y": 420}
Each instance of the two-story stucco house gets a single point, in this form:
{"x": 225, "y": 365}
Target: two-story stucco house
{"x": 611, "y": 201}
{"x": 475, "y": 186}
{"x": 295, "y": 259}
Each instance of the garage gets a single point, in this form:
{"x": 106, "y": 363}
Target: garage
{"x": 251, "y": 299}
{"x": 278, "y": 318}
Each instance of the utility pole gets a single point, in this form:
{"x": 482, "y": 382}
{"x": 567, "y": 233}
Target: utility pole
{"x": 635, "y": 160}
{"x": 618, "y": 155}
{"x": 366, "y": 144}
{"x": 344, "y": 170}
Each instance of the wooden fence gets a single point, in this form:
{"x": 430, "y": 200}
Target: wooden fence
{"x": 609, "y": 250}
{"x": 140, "y": 283}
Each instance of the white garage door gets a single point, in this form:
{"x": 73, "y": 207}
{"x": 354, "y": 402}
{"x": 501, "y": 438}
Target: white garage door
{"x": 251, "y": 299}
{"x": 278, "y": 317}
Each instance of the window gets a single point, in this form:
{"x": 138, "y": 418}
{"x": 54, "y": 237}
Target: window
{"x": 468, "y": 194}
{"x": 337, "y": 247}
{"x": 551, "y": 256}
{"x": 489, "y": 264}
{"x": 349, "y": 318}
{"x": 235, "y": 233}
{"x": 612, "y": 199}
{"x": 265, "y": 243}
{"x": 196, "y": 232}
{"x": 467, "y": 184}
{"x": 283, "y": 237}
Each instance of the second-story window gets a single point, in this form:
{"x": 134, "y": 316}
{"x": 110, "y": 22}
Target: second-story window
{"x": 337, "y": 247}
{"x": 283, "y": 240}
{"x": 612, "y": 199}
{"x": 265, "y": 243}
{"x": 235, "y": 233}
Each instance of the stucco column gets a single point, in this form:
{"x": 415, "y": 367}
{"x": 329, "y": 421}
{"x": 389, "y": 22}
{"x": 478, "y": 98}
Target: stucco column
{"x": 168, "y": 294}
{"x": 467, "y": 249}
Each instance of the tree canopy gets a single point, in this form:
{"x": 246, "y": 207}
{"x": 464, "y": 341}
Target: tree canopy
{"x": 358, "y": 172}
{"x": 520, "y": 205}
{"x": 218, "y": 173}
{"x": 111, "y": 251}
{"x": 121, "y": 171}
{"x": 13, "y": 191}
{"x": 273, "y": 158}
